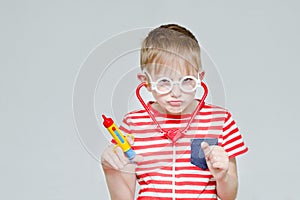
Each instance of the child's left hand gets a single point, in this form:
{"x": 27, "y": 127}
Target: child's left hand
{"x": 217, "y": 160}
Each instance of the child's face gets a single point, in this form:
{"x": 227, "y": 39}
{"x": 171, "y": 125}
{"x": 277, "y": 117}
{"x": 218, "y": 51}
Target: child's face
{"x": 176, "y": 101}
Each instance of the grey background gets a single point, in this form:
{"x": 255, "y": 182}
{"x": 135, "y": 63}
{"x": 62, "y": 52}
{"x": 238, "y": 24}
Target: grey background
{"x": 43, "y": 44}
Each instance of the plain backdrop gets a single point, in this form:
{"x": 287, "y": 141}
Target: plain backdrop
{"x": 255, "y": 45}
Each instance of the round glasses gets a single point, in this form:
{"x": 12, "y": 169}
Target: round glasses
{"x": 165, "y": 85}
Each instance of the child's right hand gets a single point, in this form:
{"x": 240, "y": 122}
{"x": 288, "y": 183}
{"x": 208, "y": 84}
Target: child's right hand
{"x": 113, "y": 157}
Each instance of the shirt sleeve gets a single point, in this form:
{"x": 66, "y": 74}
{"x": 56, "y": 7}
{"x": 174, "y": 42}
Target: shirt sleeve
{"x": 233, "y": 142}
{"x": 125, "y": 126}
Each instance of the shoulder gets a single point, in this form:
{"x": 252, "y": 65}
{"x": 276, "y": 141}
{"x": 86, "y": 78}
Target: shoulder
{"x": 214, "y": 109}
{"x": 136, "y": 114}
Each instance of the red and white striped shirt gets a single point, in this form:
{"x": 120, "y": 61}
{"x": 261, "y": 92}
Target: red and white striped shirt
{"x": 166, "y": 172}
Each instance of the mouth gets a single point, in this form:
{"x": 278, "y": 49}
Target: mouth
{"x": 175, "y": 103}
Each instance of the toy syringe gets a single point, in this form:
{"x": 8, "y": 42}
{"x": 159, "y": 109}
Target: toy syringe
{"x": 118, "y": 136}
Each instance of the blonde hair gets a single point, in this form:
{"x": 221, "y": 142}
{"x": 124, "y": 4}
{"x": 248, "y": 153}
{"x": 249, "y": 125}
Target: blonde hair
{"x": 173, "y": 44}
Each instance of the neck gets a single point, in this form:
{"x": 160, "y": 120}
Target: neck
{"x": 189, "y": 110}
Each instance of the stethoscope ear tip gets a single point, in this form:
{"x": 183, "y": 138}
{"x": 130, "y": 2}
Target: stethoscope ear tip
{"x": 146, "y": 83}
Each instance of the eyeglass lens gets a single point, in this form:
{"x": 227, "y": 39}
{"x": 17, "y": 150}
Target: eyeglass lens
{"x": 187, "y": 84}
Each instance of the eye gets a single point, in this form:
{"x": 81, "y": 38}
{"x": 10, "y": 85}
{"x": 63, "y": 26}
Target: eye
{"x": 164, "y": 80}
{"x": 187, "y": 79}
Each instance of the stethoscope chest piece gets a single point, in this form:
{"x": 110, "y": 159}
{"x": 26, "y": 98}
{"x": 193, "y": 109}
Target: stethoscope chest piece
{"x": 173, "y": 134}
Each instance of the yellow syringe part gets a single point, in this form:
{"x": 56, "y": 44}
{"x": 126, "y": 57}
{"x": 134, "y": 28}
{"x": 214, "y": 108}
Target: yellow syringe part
{"x": 118, "y": 136}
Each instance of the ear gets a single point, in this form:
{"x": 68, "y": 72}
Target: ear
{"x": 201, "y": 75}
{"x": 143, "y": 78}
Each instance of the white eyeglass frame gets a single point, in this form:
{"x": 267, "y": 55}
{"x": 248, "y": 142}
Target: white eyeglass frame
{"x": 154, "y": 83}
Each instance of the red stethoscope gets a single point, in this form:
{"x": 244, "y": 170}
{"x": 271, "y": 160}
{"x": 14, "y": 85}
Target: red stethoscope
{"x": 172, "y": 134}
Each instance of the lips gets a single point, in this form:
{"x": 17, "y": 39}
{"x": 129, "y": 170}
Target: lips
{"x": 175, "y": 103}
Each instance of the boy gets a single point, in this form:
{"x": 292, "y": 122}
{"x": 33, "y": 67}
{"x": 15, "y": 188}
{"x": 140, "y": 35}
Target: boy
{"x": 166, "y": 169}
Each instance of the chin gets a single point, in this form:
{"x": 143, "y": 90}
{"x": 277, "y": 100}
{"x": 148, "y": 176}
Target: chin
{"x": 176, "y": 111}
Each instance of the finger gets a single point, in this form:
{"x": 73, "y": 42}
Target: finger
{"x": 218, "y": 158}
{"x": 130, "y": 139}
{"x": 206, "y": 149}
{"x": 213, "y": 157}
{"x": 138, "y": 158}
{"x": 108, "y": 160}
{"x": 218, "y": 154}
{"x": 219, "y": 165}
{"x": 115, "y": 154}
{"x": 120, "y": 154}
{"x": 217, "y": 162}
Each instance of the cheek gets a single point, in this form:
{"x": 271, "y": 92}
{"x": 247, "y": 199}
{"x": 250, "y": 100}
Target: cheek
{"x": 158, "y": 96}
{"x": 190, "y": 96}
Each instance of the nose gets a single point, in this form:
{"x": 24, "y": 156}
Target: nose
{"x": 176, "y": 91}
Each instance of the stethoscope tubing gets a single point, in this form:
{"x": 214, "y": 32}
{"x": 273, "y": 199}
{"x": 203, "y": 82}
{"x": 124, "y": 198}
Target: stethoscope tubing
{"x": 198, "y": 108}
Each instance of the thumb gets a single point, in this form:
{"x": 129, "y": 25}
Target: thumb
{"x": 130, "y": 139}
{"x": 206, "y": 148}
